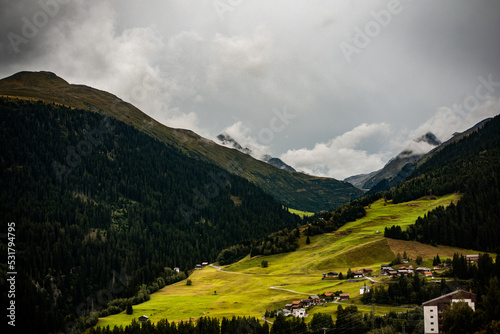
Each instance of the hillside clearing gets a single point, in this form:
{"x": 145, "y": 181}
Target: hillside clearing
{"x": 415, "y": 248}
{"x": 301, "y": 213}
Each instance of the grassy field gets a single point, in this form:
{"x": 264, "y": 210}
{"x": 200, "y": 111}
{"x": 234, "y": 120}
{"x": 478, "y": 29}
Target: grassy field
{"x": 244, "y": 288}
{"x": 301, "y": 213}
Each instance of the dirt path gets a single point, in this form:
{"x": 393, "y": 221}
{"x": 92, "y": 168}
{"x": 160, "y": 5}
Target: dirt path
{"x": 278, "y": 288}
{"x": 229, "y": 272}
{"x": 269, "y": 322}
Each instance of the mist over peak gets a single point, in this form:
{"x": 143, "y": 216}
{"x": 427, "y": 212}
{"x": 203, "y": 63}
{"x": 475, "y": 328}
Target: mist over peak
{"x": 429, "y": 138}
{"x": 227, "y": 140}
{"x": 420, "y": 146}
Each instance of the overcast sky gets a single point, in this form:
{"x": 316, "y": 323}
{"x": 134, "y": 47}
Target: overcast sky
{"x": 334, "y": 88}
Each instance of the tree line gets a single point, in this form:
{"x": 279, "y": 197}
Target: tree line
{"x": 286, "y": 240}
{"x": 349, "y": 320}
{"x": 329, "y": 221}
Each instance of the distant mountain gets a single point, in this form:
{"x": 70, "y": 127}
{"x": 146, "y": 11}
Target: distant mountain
{"x": 277, "y": 162}
{"x": 458, "y": 136}
{"x": 359, "y": 180}
{"x": 229, "y": 141}
{"x": 439, "y": 152}
{"x": 406, "y": 163}
{"x": 293, "y": 189}
{"x": 429, "y": 138}
{"x": 394, "y": 172}
{"x": 468, "y": 164}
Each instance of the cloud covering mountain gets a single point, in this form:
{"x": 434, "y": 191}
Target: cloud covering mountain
{"x": 416, "y": 67}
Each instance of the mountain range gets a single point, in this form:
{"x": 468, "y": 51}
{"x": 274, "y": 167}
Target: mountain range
{"x": 93, "y": 201}
{"x": 226, "y": 140}
{"x": 391, "y": 171}
{"x": 107, "y": 200}
{"x": 293, "y": 189}
{"x": 401, "y": 166}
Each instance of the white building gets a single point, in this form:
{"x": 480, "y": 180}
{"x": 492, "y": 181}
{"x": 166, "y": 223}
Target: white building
{"x": 364, "y": 289}
{"x": 434, "y": 308}
{"x": 299, "y": 313}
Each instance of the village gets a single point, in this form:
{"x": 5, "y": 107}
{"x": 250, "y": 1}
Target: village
{"x": 299, "y": 308}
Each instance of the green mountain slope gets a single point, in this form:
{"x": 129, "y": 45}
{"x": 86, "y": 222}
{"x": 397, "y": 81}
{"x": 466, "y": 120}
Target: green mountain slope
{"x": 246, "y": 288}
{"x": 296, "y": 190}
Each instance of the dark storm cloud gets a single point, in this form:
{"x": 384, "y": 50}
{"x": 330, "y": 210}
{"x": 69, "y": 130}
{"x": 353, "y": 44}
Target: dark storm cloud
{"x": 232, "y": 67}
{"x": 27, "y": 25}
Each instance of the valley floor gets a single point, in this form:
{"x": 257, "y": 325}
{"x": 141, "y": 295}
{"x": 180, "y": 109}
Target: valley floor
{"x": 247, "y": 289}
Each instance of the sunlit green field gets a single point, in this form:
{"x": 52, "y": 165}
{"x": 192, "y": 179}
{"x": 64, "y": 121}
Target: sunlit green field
{"x": 301, "y": 213}
{"x": 246, "y": 289}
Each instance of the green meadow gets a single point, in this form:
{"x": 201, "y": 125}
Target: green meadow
{"x": 246, "y": 289}
{"x": 301, "y": 213}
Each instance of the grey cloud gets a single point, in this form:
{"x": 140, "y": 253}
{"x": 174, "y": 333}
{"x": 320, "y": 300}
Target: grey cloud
{"x": 27, "y": 25}
{"x": 211, "y": 72}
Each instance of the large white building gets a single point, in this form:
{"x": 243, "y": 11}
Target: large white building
{"x": 434, "y": 308}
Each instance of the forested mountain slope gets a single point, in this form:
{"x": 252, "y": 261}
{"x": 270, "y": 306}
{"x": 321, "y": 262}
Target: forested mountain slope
{"x": 296, "y": 190}
{"x": 470, "y": 165}
{"x": 94, "y": 200}
{"x": 405, "y": 168}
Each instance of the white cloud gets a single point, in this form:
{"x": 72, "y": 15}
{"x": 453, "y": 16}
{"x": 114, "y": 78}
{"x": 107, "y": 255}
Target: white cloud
{"x": 417, "y": 148}
{"x": 243, "y": 54}
{"x": 183, "y": 121}
{"x": 242, "y": 135}
{"x": 446, "y": 121}
{"x": 340, "y": 157}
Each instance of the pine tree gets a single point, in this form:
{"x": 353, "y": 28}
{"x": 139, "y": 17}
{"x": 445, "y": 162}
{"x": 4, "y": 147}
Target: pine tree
{"x": 349, "y": 274}
{"x": 130, "y": 310}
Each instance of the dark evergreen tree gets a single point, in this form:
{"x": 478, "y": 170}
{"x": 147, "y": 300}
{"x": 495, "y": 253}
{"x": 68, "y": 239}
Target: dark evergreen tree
{"x": 129, "y": 309}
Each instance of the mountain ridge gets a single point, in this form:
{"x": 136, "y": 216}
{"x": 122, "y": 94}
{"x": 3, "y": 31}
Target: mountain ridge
{"x": 414, "y": 164}
{"x": 398, "y": 168}
{"x": 90, "y": 196}
{"x": 293, "y": 189}
{"x": 229, "y": 141}
{"x": 389, "y": 173}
